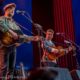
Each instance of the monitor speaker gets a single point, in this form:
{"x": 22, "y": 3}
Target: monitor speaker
{"x": 75, "y": 74}
{"x": 63, "y": 73}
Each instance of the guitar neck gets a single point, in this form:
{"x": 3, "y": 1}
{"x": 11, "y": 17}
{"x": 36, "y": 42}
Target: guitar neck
{"x": 67, "y": 50}
{"x": 26, "y": 38}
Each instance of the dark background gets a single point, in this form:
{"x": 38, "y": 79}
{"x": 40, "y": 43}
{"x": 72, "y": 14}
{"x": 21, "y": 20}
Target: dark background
{"x": 43, "y": 15}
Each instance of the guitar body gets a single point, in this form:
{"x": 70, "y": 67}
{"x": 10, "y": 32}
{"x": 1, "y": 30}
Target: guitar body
{"x": 7, "y": 39}
{"x": 53, "y": 56}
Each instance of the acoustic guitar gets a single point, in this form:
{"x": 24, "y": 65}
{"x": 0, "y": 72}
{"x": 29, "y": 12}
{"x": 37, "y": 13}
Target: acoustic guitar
{"x": 7, "y": 39}
{"x": 62, "y": 51}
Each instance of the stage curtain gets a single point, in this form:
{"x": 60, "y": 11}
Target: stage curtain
{"x": 63, "y": 22}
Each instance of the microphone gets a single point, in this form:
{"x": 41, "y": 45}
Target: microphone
{"x": 20, "y": 12}
{"x": 38, "y": 25}
{"x": 67, "y": 42}
{"x": 58, "y": 33}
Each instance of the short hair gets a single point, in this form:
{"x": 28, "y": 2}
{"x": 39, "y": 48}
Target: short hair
{"x": 50, "y": 30}
{"x": 9, "y": 6}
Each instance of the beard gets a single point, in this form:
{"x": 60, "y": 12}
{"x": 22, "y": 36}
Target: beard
{"x": 10, "y": 14}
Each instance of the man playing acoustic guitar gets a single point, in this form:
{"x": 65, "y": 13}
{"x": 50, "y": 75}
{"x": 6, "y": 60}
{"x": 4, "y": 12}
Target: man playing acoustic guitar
{"x": 10, "y": 33}
{"x": 50, "y": 52}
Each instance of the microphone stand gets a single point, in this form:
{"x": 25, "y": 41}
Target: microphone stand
{"x": 74, "y": 51}
{"x": 39, "y": 46}
{"x": 36, "y": 25}
{"x": 39, "y": 30}
{"x": 69, "y": 40}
